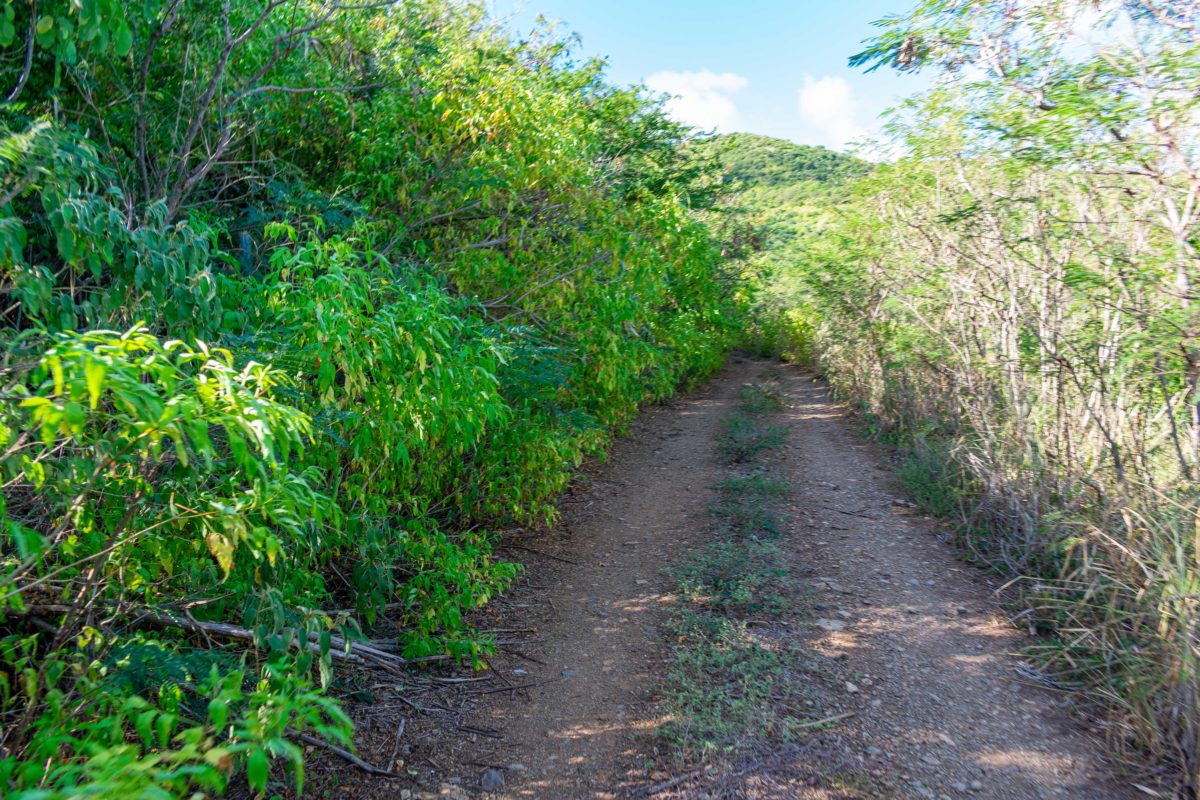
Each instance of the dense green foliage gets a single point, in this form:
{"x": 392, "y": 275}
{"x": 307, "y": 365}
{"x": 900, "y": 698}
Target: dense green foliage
{"x": 304, "y": 302}
{"x": 760, "y": 164}
{"x": 784, "y": 195}
{"x": 1012, "y": 297}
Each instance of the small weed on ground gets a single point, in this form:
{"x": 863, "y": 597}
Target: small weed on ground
{"x": 925, "y": 475}
{"x": 743, "y": 577}
{"x": 759, "y": 400}
{"x": 746, "y": 436}
{"x": 728, "y": 689}
{"x": 744, "y": 505}
{"x": 753, "y": 487}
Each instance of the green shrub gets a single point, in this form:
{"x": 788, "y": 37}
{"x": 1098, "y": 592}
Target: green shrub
{"x": 291, "y": 335}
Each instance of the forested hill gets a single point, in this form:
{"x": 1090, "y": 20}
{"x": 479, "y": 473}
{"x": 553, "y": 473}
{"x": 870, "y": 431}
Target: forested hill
{"x": 784, "y": 193}
{"x": 782, "y": 188}
{"x": 762, "y": 162}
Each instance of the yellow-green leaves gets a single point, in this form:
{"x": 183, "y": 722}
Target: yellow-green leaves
{"x": 93, "y": 374}
{"x": 423, "y": 301}
{"x": 67, "y": 28}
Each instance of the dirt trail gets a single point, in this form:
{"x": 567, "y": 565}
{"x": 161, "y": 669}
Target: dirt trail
{"x": 600, "y": 617}
{"x": 940, "y": 707}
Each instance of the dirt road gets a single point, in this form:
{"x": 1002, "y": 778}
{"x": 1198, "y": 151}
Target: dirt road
{"x": 944, "y": 708}
{"x": 908, "y": 647}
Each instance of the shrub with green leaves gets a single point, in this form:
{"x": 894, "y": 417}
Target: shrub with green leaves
{"x": 305, "y": 305}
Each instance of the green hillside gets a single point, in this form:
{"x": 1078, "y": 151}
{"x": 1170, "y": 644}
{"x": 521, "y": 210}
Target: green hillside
{"x": 762, "y": 162}
{"x": 783, "y": 195}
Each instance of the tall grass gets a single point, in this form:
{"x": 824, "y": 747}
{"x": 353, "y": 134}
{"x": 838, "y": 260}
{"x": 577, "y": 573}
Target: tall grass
{"x": 1126, "y": 612}
{"x": 1016, "y": 333}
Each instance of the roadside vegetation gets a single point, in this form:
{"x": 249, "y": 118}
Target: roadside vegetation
{"x": 783, "y": 195}
{"x": 307, "y": 301}
{"x": 304, "y": 302}
{"x": 1010, "y": 296}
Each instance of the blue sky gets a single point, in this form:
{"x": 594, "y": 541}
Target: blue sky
{"x": 764, "y": 66}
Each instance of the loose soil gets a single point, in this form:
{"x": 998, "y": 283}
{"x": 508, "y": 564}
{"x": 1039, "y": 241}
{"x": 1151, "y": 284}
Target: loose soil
{"x": 905, "y": 639}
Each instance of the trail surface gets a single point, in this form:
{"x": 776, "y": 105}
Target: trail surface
{"x": 904, "y": 637}
{"x": 944, "y": 708}
{"x": 579, "y": 735}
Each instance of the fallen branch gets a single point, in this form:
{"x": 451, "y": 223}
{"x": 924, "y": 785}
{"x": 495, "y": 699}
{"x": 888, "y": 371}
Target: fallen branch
{"x": 512, "y": 546}
{"x": 365, "y": 766}
{"x": 827, "y": 720}
{"x": 516, "y": 686}
{"x": 850, "y": 513}
{"x": 340, "y": 649}
{"x": 659, "y": 788}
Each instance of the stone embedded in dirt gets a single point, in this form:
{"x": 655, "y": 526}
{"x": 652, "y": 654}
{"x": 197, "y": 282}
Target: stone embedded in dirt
{"x": 832, "y": 585}
{"x": 492, "y": 780}
{"x": 923, "y": 790}
{"x": 567, "y": 673}
{"x": 831, "y": 624}
{"x": 516, "y": 767}
{"x": 851, "y": 688}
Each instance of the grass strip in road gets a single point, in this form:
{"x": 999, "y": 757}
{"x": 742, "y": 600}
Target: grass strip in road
{"x": 736, "y": 680}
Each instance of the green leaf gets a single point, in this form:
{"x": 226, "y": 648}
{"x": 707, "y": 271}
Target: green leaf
{"x": 123, "y": 40}
{"x": 94, "y": 372}
{"x": 74, "y": 416}
{"x": 257, "y": 769}
{"x": 144, "y": 724}
{"x": 28, "y": 541}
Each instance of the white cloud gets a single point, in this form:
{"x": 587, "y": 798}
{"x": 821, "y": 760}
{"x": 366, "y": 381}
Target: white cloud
{"x": 700, "y": 98}
{"x": 830, "y": 109}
